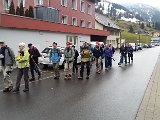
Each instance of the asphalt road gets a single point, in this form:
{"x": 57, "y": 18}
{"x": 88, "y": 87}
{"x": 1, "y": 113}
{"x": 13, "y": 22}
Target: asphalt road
{"x": 113, "y": 95}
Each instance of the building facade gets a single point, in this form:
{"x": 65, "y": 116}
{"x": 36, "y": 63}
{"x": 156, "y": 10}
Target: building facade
{"x": 71, "y": 12}
{"x": 76, "y": 23}
{"x": 104, "y": 23}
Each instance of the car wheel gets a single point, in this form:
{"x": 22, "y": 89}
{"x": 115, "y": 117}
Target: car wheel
{"x": 45, "y": 66}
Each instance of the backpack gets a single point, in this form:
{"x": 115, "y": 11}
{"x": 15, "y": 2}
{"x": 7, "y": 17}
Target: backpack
{"x": 55, "y": 55}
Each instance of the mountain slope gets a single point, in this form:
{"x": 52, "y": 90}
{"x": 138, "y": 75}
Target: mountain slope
{"x": 148, "y": 13}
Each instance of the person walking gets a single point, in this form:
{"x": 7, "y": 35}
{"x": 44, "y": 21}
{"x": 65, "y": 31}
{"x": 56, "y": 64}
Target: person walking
{"x": 108, "y": 57}
{"x": 33, "y": 61}
{"x": 23, "y": 67}
{"x": 123, "y": 52}
{"x": 55, "y": 56}
{"x": 85, "y": 60}
{"x": 112, "y": 48}
{"x": 7, "y": 60}
{"x": 75, "y": 67}
{"x": 69, "y": 55}
{"x": 98, "y": 54}
{"x": 130, "y": 53}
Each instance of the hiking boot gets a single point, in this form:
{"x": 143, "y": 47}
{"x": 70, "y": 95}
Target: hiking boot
{"x": 32, "y": 79}
{"x": 87, "y": 77}
{"x": 15, "y": 91}
{"x": 80, "y": 78}
{"x": 25, "y": 90}
{"x": 56, "y": 78}
{"x": 39, "y": 76}
{"x": 119, "y": 63}
{"x": 66, "y": 77}
{"x": 6, "y": 90}
{"x": 10, "y": 88}
{"x": 69, "y": 77}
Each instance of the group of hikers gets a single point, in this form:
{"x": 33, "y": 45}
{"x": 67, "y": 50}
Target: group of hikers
{"x": 28, "y": 60}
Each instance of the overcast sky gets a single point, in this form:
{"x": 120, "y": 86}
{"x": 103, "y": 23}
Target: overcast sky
{"x": 154, "y": 3}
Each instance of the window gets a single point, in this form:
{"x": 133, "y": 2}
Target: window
{"x": 23, "y": 2}
{"x": 89, "y": 9}
{"x": 6, "y": 4}
{"x": 89, "y": 25}
{"x": 38, "y": 2}
{"x": 82, "y": 23}
{"x": 74, "y": 4}
{"x": 82, "y": 7}
{"x": 64, "y": 3}
{"x": 64, "y": 19}
{"x": 72, "y": 39}
{"x": 74, "y": 21}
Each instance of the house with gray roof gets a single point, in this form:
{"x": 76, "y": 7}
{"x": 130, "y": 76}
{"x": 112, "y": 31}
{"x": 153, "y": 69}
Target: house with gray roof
{"x": 104, "y": 23}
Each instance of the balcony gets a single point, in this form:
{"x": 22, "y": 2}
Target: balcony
{"x": 17, "y": 22}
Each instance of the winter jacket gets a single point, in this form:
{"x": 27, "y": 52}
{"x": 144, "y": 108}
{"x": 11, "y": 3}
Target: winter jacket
{"x": 130, "y": 50}
{"x": 8, "y": 57}
{"x": 113, "y": 49}
{"x": 108, "y": 52}
{"x": 69, "y": 55}
{"x": 123, "y": 50}
{"x": 55, "y": 55}
{"x": 98, "y": 52}
{"x": 85, "y": 54}
{"x": 23, "y": 59}
{"x": 76, "y": 54}
{"x": 34, "y": 53}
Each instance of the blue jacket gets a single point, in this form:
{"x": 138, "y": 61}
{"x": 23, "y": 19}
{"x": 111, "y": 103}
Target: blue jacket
{"x": 107, "y": 52}
{"x": 55, "y": 55}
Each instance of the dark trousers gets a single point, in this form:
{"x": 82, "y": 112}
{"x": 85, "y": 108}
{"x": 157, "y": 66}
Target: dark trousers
{"x": 108, "y": 62}
{"x": 82, "y": 68}
{"x": 75, "y": 67}
{"x": 22, "y": 72}
{"x": 130, "y": 57}
{"x": 32, "y": 69}
{"x": 123, "y": 56}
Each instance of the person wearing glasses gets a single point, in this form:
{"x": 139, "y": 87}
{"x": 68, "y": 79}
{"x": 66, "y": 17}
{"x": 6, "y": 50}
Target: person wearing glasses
{"x": 23, "y": 67}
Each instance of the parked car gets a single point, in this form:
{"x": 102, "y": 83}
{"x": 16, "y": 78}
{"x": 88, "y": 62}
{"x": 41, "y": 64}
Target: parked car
{"x": 44, "y": 59}
{"x": 146, "y": 46}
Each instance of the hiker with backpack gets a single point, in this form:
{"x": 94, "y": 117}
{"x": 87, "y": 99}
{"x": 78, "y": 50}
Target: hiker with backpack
{"x": 69, "y": 55}
{"x": 7, "y": 60}
{"x": 108, "y": 57}
{"x": 85, "y": 60}
{"x": 98, "y": 54}
{"x": 33, "y": 61}
{"x": 130, "y": 53}
{"x": 75, "y": 67}
{"x": 123, "y": 52}
{"x": 55, "y": 56}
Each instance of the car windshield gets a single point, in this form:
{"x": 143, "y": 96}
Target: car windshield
{"x": 46, "y": 50}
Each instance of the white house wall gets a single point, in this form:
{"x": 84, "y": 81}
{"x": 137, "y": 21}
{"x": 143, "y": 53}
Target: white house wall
{"x": 40, "y": 39}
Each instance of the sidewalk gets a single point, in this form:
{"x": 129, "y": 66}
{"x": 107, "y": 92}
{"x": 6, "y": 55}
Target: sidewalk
{"x": 150, "y": 106}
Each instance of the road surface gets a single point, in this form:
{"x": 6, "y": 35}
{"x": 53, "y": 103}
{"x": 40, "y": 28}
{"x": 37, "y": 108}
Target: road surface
{"x": 113, "y": 95}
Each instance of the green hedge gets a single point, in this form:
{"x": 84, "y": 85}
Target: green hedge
{"x": 132, "y": 38}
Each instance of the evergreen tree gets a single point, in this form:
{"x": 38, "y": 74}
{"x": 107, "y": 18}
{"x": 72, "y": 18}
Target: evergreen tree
{"x": 17, "y": 10}
{"x": 27, "y": 13}
{"x": 131, "y": 29}
{"x": 31, "y": 14}
{"x": 11, "y": 8}
{"x": 142, "y": 26}
{"x": 21, "y": 10}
